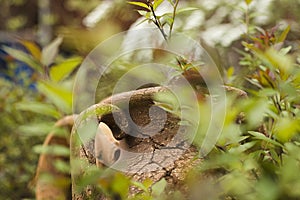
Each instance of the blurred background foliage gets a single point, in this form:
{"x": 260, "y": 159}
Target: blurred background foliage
{"x": 43, "y": 42}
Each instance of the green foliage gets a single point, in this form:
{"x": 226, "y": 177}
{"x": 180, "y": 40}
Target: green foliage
{"x": 257, "y": 153}
{"x": 148, "y": 10}
{"x": 27, "y": 115}
{"x": 256, "y": 165}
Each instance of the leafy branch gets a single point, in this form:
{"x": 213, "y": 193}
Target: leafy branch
{"x": 148, "y": 10}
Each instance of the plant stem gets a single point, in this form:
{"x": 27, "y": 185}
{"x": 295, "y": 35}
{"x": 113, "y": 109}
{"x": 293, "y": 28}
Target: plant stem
{"x": 157, "y": 23}
{"x": 173, "y": 17}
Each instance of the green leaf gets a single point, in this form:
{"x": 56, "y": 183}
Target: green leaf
{"x": 59, "y": 95}
{"x": 159, "y": 187}
{"x": 50, "y": 51}
{"x": 62, "y": 70}
{"x": 156, "y": 3}
{"x": 286, "y": 128}
{"x": 243, "y": 147}
{"x": 248, "y": 2}
{"x": 285, "y": 50}
{"x": 23, "y": 57}
{"x": 62, "y": 166}
{"x": 260, "y": 136}
{"x": 139, "y": 185}
{"x": 140, "y": 4}
{"x": 40, "y": 108}
{"x": 267, "y": 92}
{"x": 278, "y": 61}
{"x": 120, "y": 185}
{"x": 36, "y": 129}
{"x": 230, "y": 72}
{"x": 171, "y": 2}
{"x": 179, "y": 11}
{"x": 167, "y": 18}
{"x": 284, "y": 34}
{"x": 57, "y": 150}
{"x": 97, "y": 110}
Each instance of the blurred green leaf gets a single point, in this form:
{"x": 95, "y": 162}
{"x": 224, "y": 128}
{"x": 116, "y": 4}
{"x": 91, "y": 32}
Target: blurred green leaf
{"x": 276, "y": 60}
{"x": 262, "y": 137}
{"x": 159, "y": 187}
{"x": 57, "y": 150}
{"x": 248, "y": 2}
{"x": 65, "y": 68}
{"x": 140, "y": 185}
{"x": 156, "y": 3}
{"x": 284, "y": 34}
{"x": 24, "y": 57}
{"x": 59, "y": 95}
{"x": 50, "y": 51}
{"x": 285, "y": 50}
{"x": 36, "y": 129}
{"x": 286, "y": 128}
{"x": 40, "y": 108}
{"x": 121, "y": 185}
{"x": 62, "y": 166}
{"x": 187, "y": 9}
{"x": 97, "y": 110}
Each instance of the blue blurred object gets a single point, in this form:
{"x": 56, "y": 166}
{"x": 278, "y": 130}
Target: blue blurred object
{"x": 14, "y": 70}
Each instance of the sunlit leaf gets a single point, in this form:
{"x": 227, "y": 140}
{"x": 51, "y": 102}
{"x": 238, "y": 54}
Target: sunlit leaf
{"x": 140, "y": 185}
{"x": 143, "y": 13}
{"x": 282, "y": 62}
{"x": 59, "y": 95}
{"x": 65, "y": 68}
{"x": 260, "y": 136}
{"x": 230, "y": 72}
{"x": 285, "y": 50}
{"x": 156, "y": 3}
{"x": 243, "y": 147}
{"x": 33, "y": 48}
{"x": 98, "y": 110}
{"x": 286, "y": 128}
{"x": 141, "y": 4}
{"x": 284, "y": 34}
{"x": 248, "y": 2}
{"x": 120, "y": 185}
{"x": 50, "y": 51}
{"x": 40, "y": 108}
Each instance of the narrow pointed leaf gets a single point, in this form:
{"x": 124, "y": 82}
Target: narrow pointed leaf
{"x": 157, "y": 3}
{"x": 179, "y": 11}
{"x": 23, "y": 57}
{"x": 50, "y": 52}
{"x": 284, "y": 34}
{"x": 260, "y": 136}
{"x": 33, "y": 48}
{"x": 64, "y": 69}
{"x": 40, "y": 108}
{"x": 57, "y": 94}
{"x": 140, "y": 4}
